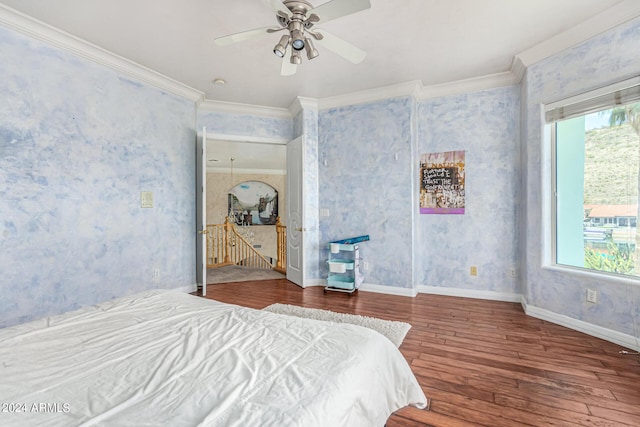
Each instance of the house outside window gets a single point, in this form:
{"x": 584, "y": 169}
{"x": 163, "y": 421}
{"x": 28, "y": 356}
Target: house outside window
{"x": 595, "y": 141}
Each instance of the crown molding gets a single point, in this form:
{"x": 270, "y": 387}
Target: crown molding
{"x": 518, "y": 69}
{"x": 36, "y": 29}
{"x": 238, "y": 108}
{"x": 610, "y": 18}
{"x": 475, "y": 84}
{"x": 247, "y": 171}
{"x": 302, "y": 103}
{"x": 245, "y": 138}
{"x": 371, "y": 95}
{"x": 420, "y": 92}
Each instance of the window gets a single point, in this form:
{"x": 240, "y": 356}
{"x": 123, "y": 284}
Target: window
{"x": 596, "y": 164}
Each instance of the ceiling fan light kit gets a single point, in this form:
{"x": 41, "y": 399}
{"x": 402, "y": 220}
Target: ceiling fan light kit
{"x": 297, "y": 17}
{"x": 281, "y": 47}
{"x": 295, "y": 57}
{"x": 311, "y": 50}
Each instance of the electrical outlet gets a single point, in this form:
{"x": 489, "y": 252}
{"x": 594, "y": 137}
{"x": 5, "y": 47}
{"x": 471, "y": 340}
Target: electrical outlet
{"x": 365, "y": 265}
{"x": 474, "y": 270}
{"x": 156, "y": 274}
{"x": 513, "y": 273}
{"x": 592, "y": 296}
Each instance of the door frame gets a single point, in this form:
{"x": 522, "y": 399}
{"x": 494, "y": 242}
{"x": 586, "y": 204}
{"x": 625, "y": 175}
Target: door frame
{"x": 201, "y": 211}
{"x": 213, "y": 136}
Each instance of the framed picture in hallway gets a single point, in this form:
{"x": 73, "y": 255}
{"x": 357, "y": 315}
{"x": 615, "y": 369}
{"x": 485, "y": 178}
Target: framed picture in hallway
{"x": 442, "y": 183}
{"x": 253, "y": 203}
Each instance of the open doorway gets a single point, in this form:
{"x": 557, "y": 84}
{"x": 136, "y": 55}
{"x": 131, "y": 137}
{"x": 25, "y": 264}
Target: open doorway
{"x": 248, "y": 166}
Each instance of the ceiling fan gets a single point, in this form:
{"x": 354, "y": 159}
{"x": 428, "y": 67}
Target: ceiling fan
{"x": 298, "y": 18}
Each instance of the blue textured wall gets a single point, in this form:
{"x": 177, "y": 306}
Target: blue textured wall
{"x": 78, "y": 143}
{"x": 605, "y": 59}
{"x": 245, "y": 125}
{"x": 367, "y": 190}
{"x": 486, "y": 125}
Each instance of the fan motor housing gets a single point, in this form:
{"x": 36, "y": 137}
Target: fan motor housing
{"x": 298, "y": 6}
{"x": 299, "y": 9}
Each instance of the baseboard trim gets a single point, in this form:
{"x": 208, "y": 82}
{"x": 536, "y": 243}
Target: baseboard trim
{"x": 390, "y": 290}
{"x": 625, "y": 340}
{"x": 186, "y": 288}
{"x": 314, "y": 282}
{"x": 470, "y": 293}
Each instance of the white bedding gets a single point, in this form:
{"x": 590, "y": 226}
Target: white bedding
{"x": 171, "y": 359}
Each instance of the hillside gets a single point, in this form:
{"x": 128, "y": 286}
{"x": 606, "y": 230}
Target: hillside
{"x": 611, "y": 166}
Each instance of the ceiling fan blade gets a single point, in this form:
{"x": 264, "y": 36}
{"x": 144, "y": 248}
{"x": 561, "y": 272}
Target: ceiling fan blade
{"x": 341, "y": 47}
{"x": 278, "y": 6}
{"x": 338, "y": 8}
{"x": 288, "y": 69}
{"x": 240, "y": 37}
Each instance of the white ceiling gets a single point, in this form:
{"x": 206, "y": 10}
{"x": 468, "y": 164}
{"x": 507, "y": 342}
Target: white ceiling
{"x": 432, "y": 41}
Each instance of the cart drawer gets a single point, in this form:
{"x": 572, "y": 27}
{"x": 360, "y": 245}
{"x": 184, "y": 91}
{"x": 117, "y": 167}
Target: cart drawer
{"x": 336, "y": 282}
{"x": 340, "y": 265}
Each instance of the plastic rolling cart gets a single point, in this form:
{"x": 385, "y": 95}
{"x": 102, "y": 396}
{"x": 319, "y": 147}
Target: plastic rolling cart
{"x": 344, "y": 265}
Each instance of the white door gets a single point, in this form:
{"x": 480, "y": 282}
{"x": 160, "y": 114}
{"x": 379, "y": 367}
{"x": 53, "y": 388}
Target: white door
{"x": 295, "y": 211}
{"x": 201, "y": 211}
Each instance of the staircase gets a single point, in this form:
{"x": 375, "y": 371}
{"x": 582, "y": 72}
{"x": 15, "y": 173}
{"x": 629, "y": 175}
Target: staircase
{"x": 226, "y": 246}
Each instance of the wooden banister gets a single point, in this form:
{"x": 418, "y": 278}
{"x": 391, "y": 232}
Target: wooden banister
{"x": 281, "y": 235}
{"x": 225, "y": 246}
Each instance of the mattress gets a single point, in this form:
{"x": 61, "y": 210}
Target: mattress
{"x": 169, "y": 358}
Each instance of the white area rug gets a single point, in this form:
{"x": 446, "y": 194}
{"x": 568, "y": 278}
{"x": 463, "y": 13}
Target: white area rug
{"x": 395, "y": 331}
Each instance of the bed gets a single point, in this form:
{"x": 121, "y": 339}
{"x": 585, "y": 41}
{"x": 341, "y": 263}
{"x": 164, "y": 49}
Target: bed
{"x": 169, "y": 358}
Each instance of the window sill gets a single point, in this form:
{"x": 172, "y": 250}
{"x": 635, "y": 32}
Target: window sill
{"x": 600, "y": 275}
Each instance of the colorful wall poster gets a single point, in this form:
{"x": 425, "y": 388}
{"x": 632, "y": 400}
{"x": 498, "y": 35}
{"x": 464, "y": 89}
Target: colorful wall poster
{"x": 442, "y": 183}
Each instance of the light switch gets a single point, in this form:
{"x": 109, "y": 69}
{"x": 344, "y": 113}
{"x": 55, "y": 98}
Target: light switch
{"x": 146, "y": 199}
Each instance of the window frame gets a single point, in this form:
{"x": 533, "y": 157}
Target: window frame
{"x": 551, "y": 113}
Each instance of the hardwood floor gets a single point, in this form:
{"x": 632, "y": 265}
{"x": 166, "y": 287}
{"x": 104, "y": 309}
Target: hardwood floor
{"x": 483, "y": 363}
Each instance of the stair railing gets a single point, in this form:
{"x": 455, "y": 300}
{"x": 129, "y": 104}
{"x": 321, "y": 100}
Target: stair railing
{"x": 281, "y": 235}
{"x": 225, "y": 246}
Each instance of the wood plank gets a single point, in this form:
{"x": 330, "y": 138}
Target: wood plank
{"x": 618, "y": 416}
{"x": 490, "y": 414}
{"x": 414, "y": 417}
{"x": 579, "y": 418}
{"x": 483, "y": 363}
